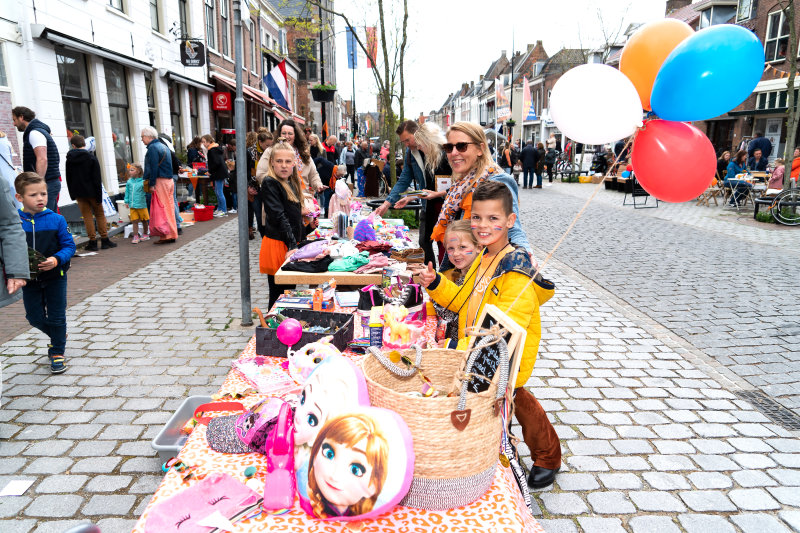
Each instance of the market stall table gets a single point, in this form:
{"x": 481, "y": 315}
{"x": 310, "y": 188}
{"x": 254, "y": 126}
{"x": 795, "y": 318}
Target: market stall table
{"x": 502, "y": 508}
{"x": 290, "y": 277}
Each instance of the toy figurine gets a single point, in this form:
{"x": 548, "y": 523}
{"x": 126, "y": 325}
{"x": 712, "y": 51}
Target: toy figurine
{"x": 303, "y": 361}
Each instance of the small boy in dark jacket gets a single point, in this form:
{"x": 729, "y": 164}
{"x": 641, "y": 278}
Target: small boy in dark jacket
{"x": 85, "y": 186}
{"x": 50, "y": 247}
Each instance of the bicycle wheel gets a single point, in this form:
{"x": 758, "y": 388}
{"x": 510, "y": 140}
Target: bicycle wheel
{"x": 786, "y": 208}
{"x": 383, "y": 188}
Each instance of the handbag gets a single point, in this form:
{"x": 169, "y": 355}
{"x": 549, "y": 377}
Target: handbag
{"x": 456, "y": 439}
{"x": 108, "y": 207}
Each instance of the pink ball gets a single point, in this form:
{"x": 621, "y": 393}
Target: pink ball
{"x": 290, "y": 331}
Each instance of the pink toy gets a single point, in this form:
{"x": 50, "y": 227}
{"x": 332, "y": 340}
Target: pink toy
{"x": 303, "y": 361}
{"x": 401, "y": 330}
{"x": 279, "y": 487}
{"x": 289, "y": 331}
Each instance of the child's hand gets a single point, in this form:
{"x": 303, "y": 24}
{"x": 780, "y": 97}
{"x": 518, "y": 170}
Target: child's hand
{"x": 48, "y": 264}
{"x": 427, "y": 276}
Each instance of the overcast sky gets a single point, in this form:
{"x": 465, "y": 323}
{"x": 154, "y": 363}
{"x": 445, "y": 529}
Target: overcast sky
{"x": 454, "y": 42}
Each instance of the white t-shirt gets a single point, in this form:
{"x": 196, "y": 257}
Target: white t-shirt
{"x": 37, "y": 138}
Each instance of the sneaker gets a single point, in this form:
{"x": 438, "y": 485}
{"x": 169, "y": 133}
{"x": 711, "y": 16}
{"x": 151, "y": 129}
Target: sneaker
{"x": 145, "y": 237}
{"x": 232, "y": 211}
{"x": 220, "y": 214}
{"x": 410, "y": 298}
{"x": 57, "y": 365}
{"x": 135, "y": 239}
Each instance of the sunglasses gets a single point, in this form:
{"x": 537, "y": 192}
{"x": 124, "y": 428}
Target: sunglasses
{"x": 461, "y": 147}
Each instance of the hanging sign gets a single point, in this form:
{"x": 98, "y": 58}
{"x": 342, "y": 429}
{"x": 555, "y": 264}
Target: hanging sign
{"x": 221, "y": 101}
{"x": 193, "y": 54}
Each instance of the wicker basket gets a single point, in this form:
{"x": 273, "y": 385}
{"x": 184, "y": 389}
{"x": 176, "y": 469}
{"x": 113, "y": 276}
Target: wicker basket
{"x": 452, "y": 467}
{"x": 267, "y": 342}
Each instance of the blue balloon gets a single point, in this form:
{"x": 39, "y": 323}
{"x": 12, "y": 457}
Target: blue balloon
{"x": 708, "y": 74}
{"x": 626, "y": 173}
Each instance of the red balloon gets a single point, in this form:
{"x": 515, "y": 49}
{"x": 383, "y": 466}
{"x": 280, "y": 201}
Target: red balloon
{"x": 673, "y": 161}
{"x": 629, "y": 168}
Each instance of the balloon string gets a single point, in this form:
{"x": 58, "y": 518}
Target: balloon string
{"x": 574, "y": 220}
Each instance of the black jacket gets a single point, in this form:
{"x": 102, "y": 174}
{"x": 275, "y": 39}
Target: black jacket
{"x": 29, "y": 156}
{"x": 217, "y": 168}
{"x": 360, "y": 156}
{"x": 284, "y": 219}
{"x": 539, "y": 160}
{"x": 83, "y": 175}
{"x": 529, "y": 156}
{"x": 324, "y": 169}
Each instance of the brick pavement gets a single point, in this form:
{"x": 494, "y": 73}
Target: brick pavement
{"x": 709, "y": 275}
{"x": 653, "y": 437}
{"x": 88, "y": 275}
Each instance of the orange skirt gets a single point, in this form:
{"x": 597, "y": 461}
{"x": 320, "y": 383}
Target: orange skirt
{"x": 271, "y": 256}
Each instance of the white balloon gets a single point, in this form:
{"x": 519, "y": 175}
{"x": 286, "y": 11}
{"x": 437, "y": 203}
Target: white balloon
{"x": 595, "y": 104}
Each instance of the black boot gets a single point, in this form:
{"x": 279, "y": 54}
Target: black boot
{"x": 91, "y": 246}
{"x": 541, "y": 477}
{"x": 106, "y": 243}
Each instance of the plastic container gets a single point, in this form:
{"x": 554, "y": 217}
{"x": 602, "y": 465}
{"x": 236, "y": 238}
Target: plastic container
{"x": 203, "y": 214}
{"x": 124, "y": 212}
{"x": 170, "y": 440}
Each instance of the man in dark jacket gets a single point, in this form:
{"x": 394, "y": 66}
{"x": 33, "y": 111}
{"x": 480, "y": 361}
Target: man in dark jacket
{"x": 85, "y": 186}
{"x": 529, "y": 157}
{"x": 760, "y": 143}
{"x": 331, "y": 150}
{"x": 39, "y": 152}
{"x": 362, "y": 154}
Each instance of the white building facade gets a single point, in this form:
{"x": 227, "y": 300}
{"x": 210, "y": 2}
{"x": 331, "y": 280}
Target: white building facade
{"x": 105, "y": 69}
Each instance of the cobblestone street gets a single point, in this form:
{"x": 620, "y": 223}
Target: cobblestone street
{"x": 655, "y": 433}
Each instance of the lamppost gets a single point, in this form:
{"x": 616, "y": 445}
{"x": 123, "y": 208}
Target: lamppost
{"x": 241, "y": 157}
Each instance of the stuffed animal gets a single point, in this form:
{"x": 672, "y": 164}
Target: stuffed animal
{"x": 303, "y": 361}
{"x": 393, "y": 315}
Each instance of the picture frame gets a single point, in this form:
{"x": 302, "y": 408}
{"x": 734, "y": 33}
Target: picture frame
{"x": 515, "y": 339}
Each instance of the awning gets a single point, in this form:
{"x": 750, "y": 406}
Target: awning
{"x": 284, "y": 114}
{"x": 255, "y": 95}
{"x": 164, "y": 73}
{"x": 778, "y": 111}
{"x": 40, "y": 31}
{"x": 297, "y": 118}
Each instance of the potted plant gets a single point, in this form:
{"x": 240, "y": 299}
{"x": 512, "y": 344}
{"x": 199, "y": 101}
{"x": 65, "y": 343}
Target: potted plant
{"x": 511, "y": 123}
{"x": 323, "y": 92}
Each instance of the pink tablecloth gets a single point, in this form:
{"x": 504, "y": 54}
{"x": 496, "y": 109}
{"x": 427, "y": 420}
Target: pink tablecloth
{"x": 502, "y": 509}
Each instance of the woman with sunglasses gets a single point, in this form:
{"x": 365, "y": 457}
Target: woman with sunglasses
{"x": 468, "y": 154}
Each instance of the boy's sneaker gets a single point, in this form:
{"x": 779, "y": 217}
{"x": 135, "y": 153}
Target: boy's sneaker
{"x": 145, "y": 237}
{"x": 57, "y": 365}
{"x": 135, "y": 239}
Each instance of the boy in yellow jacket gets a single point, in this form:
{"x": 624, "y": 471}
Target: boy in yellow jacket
{"x": 499, "y": 276}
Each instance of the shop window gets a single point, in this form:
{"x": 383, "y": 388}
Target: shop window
{"x": 193, "y": 112}
{"x": 175, "y": 114}
{"x": 117, "y": 4}
{"x": 118, "y": 104}
{"x": 75, "y": 95}
{"x": 151, "y": 99}
{"x": 183, "y": 19}
{"x": 155, "y": 22}
{"x": 224, "y": 27}
{"x": 3, "y": 78}
{"x": 777, "y": 41}
{"x": 211, "y": 24}
{"x": 306, "y": 59}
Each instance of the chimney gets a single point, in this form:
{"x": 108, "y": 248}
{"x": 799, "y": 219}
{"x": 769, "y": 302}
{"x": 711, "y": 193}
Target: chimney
{"x": 503, "y": 53}
{"x": 674, "y": 5}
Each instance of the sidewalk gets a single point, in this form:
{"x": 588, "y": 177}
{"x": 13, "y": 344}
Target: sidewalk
{"x": 654, "y": 435}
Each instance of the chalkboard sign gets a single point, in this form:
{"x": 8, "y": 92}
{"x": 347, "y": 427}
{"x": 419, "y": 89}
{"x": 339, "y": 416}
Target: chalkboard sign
{"x": 488, "y": 359}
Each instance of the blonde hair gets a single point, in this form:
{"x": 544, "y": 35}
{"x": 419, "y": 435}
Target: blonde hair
{"x": 476, "y": 135}
{"x": 139, "y": 169}
{"x": 293, "y": 186}
{"x": 464, "y": 227}
{"x": 430, "y": 140}
{"x": 349, "y": 430}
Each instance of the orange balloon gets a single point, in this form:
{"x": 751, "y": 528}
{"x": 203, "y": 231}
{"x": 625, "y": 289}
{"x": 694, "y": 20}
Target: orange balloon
{"x": 646, "y": 50}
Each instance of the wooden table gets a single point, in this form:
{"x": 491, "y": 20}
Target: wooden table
{"x": 288, "y": 277}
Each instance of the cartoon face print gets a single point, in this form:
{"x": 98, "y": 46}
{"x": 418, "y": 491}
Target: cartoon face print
{"x": 343, "y": 474}
{"x": 309, "y": 415}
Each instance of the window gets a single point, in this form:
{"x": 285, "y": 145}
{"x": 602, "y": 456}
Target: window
{"x": 252, "y": 50}
{"x": 306, "y": 59}
{"x": 716, "y": 15}
{"x": 151, "y": 100}
{"x": 193, "y": 111}
{"x": 3, "y": 78}
{"x": 154, "y": 20}
{"x": 211, "y": 26}
{"x": 777, "y": 41}
{"x": 224, "y": 27}
{"x": 175, "y": 114}
{"x": 117, "y": 4}
{"x": 774, "y": 100}
{"x": 117, "y": 88}
{"x": 182, "y": 18}
{"x": 75, "y": 94}
{"x": 745, "y": 10}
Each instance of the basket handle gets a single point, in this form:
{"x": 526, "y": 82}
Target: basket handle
{"x": 503, "y": 368}
{"x": 402, "y": 371}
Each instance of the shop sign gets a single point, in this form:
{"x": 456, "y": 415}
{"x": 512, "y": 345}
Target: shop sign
{"x": 221, "y": 101}
{"x": 193, "y": 54}
{"x": 227, "y": 131}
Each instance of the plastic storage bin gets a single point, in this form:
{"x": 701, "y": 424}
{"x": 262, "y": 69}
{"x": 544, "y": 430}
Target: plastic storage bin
{"x": 267, "y": 342}
{"x": 170, "y": 440}
{"x": 203, "y": 214}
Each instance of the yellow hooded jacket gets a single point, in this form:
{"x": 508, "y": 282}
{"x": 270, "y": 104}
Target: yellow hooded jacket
{"x": 507, "y": 282}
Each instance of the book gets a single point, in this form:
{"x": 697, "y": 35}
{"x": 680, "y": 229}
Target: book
{"x": 347, "y": 299}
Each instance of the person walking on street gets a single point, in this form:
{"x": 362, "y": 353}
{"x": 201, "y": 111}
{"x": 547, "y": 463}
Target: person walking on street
{"x": 348, "y": 159}
{"x": 85, "y": 186}
{"x": 331, "y": 150}
{"x": 529, "y": 159}
{"x": 539, "y": 164}
{"x": 218, "y": 171}
{"x": 14, "y": 270}
{"x": 550, "y": 157}
{"x": 136, "y": 201}
{"x": 39, "y": 152}
{"x": 158, "y": 176}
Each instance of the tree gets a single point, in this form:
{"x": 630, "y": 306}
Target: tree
{"x": 388, "y": 71}
{"x": 793, "y": 110}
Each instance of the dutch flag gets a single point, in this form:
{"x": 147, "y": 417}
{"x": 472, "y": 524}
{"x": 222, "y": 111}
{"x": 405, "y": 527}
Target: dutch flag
{"x": 277, "y": 85}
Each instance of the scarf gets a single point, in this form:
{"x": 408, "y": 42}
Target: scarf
{"x": 456, "y": 195}
{"x": 298, "y": 161}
